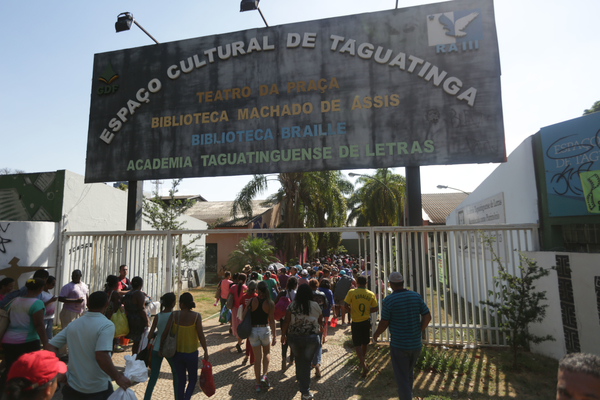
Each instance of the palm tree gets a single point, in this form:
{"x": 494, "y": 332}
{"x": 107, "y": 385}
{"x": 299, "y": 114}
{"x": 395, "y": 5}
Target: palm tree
{"x": 252, "y": 250}
{"x": 307, "y": 199}
{"x": 372, "y": 204}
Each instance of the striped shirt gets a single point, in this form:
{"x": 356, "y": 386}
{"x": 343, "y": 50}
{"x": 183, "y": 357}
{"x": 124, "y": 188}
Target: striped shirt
{"x": 403, "y": 309}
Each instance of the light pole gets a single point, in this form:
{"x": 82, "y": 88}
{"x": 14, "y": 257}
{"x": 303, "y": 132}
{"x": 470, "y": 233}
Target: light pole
{"x": 448, "y": 187}
{"x": 135, "y": 189}
{"x": 124, "y": 21}
{"x": 352, "y": 175}
{"x": 251, "y": 5}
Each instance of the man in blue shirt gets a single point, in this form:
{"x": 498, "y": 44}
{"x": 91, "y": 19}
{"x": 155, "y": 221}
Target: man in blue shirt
{"x": 407, "y": 316}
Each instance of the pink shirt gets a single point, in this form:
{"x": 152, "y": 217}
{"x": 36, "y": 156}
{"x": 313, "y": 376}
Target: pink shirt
{"x": 225, "y": 284}
{"x": 75, "y": 291}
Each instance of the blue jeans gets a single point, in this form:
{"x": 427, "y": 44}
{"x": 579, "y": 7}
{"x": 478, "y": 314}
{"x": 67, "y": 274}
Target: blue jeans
{"x": 304, "y": 349}
{"x": 48, "y": 324}
{"x": 183, "y": 362}
{"x": 403, "y": 362}
{"x": 317, "y": 358}
{"x": 155, "y": 370}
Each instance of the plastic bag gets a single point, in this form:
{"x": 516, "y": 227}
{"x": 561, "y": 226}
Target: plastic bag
{"x": 225, "y": 315}
{"x": 135, "y": 370}
{"x": 206, "y": 381}
{"x": 144, "y": 339}
{"x": 121, "y": 394}
{"x": 240, "y": 313}
{"x": 334, "y": 321}
{"x": 121, "y": 324}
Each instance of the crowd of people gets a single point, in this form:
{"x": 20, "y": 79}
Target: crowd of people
{"x": 304, "y": 299}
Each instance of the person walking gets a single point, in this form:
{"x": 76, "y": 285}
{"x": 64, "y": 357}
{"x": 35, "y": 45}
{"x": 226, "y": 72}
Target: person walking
{"x": 224, "y": 286}
{"x": 320, "y": 298}
{"x": 250, "y": 294}
{"x": 290, "y": 293}
{"x": 343, "y": 284}
{"x": 49, "y": 300}
{"x": 26, "y": 329}
{"x": 303, "y": 322}
{"x": 90, "y": 369}
{"x": 167, "y": 302}
{"x": 407, "y": 316}
{"x": 237, "y": 291}
{"x": 74, "y": 296}
{"x": 137, "y": 317}
{"x": 187, "y": 325}
{"x": 40, "y": 273}
{"x": 263, "y": 333}
{"x": 325, "y": 287}
{"x": 362, "y": 303}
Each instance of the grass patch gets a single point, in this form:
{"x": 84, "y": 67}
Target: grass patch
{"x": 462, "y": 374}
{"x": 204, "y": 299}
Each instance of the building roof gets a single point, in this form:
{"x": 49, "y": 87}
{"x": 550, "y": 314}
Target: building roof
{"x": 211, "y": 211}
{"x": 439, "y": 205}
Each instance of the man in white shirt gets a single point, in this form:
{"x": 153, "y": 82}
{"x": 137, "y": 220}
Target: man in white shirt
{"x": 90, "y": 369}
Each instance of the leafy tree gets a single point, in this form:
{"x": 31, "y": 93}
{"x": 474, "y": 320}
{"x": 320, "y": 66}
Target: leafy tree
{"x": 519, "y": 304}
{"x": 252, "y": 250}
{"x": 8, "y": 171}
{"x": 595, "y": 108}
{"x": 162, "y": 215}
{"x": 372, "y": 204}
{"x": 307, "y": 199}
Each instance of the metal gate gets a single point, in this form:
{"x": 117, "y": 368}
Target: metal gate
{"x": 451, "y": 267}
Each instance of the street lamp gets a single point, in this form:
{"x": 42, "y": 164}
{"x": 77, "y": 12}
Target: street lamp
{"x": 251, "y": 5}
{"x": 124, "y": 21}
{"x": 448, "y": 187}
{"x": 352, "y": 175}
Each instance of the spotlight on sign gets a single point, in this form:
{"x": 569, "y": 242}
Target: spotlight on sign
{"x": 249, "y": 5}
{"x": 124, "y": 21}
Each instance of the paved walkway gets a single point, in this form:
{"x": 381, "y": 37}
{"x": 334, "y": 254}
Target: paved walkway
{"x": 233, "y": 380}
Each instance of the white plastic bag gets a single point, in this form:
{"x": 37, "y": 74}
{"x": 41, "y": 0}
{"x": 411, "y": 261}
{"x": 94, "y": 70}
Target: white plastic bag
{"x": 240, "y": 312}
{"x": 153, "y": 307}
{"x": 144, "y": 339}
{"x": 135, "y": 370}
{"x": 121, "y": 394}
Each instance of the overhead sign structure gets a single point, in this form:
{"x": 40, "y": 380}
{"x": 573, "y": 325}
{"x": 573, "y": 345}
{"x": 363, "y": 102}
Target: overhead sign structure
{"x": 405, "y": 87}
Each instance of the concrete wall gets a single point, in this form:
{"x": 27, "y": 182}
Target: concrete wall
{"x": 516, "y": 179}
{"x": 92, "y": 207}
{"x": 27, "y": 246}
{"x": 573, "y": 292}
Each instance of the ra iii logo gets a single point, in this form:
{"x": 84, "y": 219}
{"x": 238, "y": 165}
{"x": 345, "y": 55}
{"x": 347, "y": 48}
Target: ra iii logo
{"x": 456, "y": 31}
{"x": 108, "y": 77}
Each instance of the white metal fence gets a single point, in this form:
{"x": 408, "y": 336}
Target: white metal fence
{"x": 449, "y": 266}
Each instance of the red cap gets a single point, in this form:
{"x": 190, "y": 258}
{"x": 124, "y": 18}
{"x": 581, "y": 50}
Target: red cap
{"x": 38, "y": 367}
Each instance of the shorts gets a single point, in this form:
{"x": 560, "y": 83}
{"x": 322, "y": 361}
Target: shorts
{"x": 260, "y": 336}
{"x": 338, "y": 302}
{"x": 361, "y": 333}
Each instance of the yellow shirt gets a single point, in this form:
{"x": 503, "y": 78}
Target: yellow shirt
{"x": 360, "y": 301}
{"x": 187, "y": 338}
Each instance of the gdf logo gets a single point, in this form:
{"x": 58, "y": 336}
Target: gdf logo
{"x": 108, "y": 76}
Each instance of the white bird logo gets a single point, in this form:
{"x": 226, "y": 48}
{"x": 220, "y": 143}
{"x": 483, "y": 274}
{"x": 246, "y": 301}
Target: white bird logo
{"x": 455, "y": 29}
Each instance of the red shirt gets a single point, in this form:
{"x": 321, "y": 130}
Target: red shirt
{"x": 237, "y": 299}
{"x": 247, "y": 298}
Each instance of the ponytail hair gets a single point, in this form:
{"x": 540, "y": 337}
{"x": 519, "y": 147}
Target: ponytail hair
{"x": 20, "y": 389}
{"x": 167, "y": 300}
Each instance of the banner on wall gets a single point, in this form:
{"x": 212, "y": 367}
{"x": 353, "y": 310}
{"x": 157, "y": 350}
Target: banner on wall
{"x": 405, "y": 87}
{"x": 571, "y": 162}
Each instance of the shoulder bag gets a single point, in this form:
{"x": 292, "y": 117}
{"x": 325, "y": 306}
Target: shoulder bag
{"x": 244, "y": 329}
{"x": 169, "y": 347}
{"x": 229, "y": 303}
{"x": 4, "y": 319}
{"x": 218, "y": 292}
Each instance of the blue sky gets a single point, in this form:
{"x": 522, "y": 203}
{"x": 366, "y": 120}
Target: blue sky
{"x": 548, "y": 53}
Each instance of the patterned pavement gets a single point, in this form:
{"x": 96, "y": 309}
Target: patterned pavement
{"x": 232, "y": 380}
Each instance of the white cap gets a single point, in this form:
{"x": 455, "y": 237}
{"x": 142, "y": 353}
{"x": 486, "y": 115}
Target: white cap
{"x": 396, "y": 277}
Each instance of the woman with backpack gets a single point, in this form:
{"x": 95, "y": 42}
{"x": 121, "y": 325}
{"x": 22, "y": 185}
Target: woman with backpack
{"x": 283, "y": 300}
{"x": 250, "y": 294}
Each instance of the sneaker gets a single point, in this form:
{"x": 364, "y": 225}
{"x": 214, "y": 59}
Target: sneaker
{"x": 119, "y": 349}
{"x": 265, "y": 381}
{"x": 257, "y": 388}
{"x": 308, "y": 396}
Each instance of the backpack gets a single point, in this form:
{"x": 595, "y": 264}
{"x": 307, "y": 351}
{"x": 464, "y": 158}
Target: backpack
{"x": 342, "y": 287}
{"x": 281, "y": 306}
{"x": 320, "y": 298}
